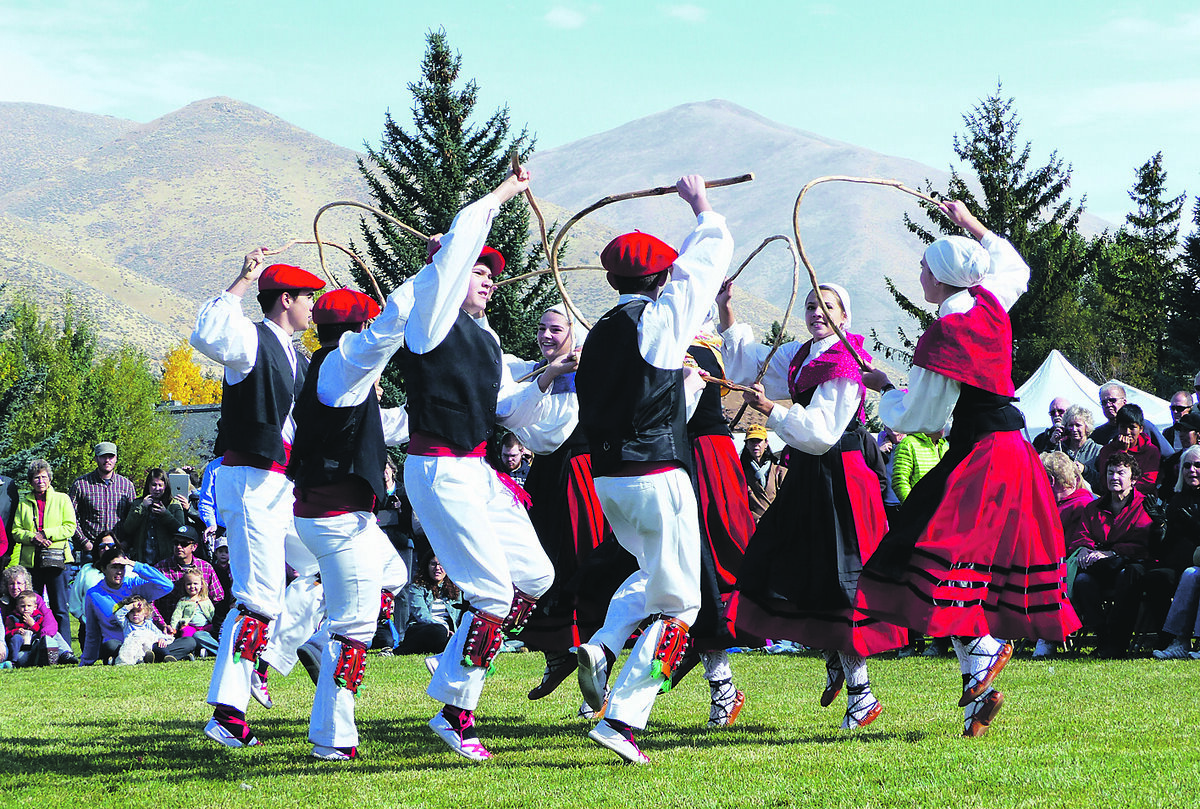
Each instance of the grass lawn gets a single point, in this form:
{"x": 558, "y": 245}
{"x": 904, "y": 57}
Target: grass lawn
{"x": 1073, "y": 732}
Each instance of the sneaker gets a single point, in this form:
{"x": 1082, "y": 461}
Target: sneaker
{"x": 431, "y": 664}
{"x": 620, "y": 743}
{"x": 221, "y": 735}
{"x": 1043, "y": 649}
{"x": 67, "y": 659}
{"x": 334, "y": 753}
{"x": 979, "y": 722}
{"x": 467, "y": 747}
{"x": 148, "y": 657}
{"x": 311, "y": 660}
{"x": 170, "y": 659}
{"x": 258, "y": 689}
{"x": 593, "y": 674}
{"x": 1178, "y": 650}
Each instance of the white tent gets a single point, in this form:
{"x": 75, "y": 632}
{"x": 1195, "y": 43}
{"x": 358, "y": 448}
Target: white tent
{"x": 1057, "y": 377}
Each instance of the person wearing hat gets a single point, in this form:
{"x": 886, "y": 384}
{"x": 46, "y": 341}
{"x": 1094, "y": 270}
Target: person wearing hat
{"x": 1186, "y": 433}
{"x": 977, "y": 548}
{"x": 459, "y": 388}
{"x": 181, "y": 561}
{"x": 801, "y": 568}
{"x": 764, "y": 474}
{"x": 633, "y": 409}
{"x": 337, "y": 464}
{"x": 102, "y": 498}
{"x": 263, "y": 374}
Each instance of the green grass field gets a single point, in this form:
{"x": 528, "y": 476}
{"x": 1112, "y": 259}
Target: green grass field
{"x": 1073, "y": 732}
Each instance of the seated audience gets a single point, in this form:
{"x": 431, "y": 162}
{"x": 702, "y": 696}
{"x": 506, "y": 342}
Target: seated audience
{"x": 1051, "y": 438}
{"x": 148, "y": 530}
{"x": 43, "y": 528}
{"x": 1186, "y": 432}
{"x": 16, "y": 580}
{"x": 142, "y": 639}
{"x": 433, "y": 611}
{"x": 1112, "y": 399}
{"x": 1179, "y": 548}
{"x": 183, "y": 560}
{"x": 764, "y": 473}
{"x": 1072, "y": 495}
{"x": 1181, "y": 405}
{"x": 1112, "y": 553}
{"x": 1078, "y": 445}
{"x": 85, "y": 579}
{"x": 194, "y": 611}
{"x": 104, "y": 630}
{"x": 25, "y": 632}
{"x": 1131, "y": 438}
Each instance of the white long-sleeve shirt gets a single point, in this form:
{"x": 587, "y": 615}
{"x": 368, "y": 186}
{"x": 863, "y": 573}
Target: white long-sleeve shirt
{"x": 225, "y": 335}
{"x": 814, "y": 428}
{"x": 930, "y": 399}
{"x": 559, "y": 417}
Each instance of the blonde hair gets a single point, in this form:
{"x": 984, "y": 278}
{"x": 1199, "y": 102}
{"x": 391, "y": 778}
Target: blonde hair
{"x": 1062, "y": 469}
{"x": 198, "y": 576}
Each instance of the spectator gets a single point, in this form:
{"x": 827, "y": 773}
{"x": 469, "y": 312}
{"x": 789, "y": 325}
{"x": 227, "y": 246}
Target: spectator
{"x": 914, "y": 457}
{"x": 16, "y": 581}
{"x": 194, "y": 611}
{"x": 512, "y": 458}
{"x": 1112, "y": 553}
{"x": 1131, "y": 438}
{"x": 104, "y": 632}
{"x": 149, "y": 529}
{"x": 87, "y": 578}
{"x": 764, "y": 473}
{"x": 43, "y": 526}
{"x": 1181, "y": 405}
{"x": 1051, "y": 438}
{"x": 1185, "y": 432}
{"x": 433, "y": 614}
{"x": 888, "y": 439}
{"x": 220, "y": 565}
{"x": 142, "y": 640}
{"x": 1180, "y": 552}
{"x": 206, "y": 506}
{"x": 394, "y": 515}
{"x": 25, "y": 633}
{"x": 184, "y": 560}
{"x": 1078, "y": 445}
{"x": 1112, "y": 399}
{"x": 1072, "y": 495}
{"x": 9, "y": 497}
{"x": 101, "y": 499}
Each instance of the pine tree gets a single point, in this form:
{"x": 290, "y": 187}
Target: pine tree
{"x": 423, "y": 177}
{"x": 1183, "y": 328}
{"x": 1025, "y": 204}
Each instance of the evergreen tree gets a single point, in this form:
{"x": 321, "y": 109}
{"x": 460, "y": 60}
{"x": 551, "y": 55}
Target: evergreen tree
{"x": 423, "y": 177}
{"x": 1025, "y": 204}
{"x": 1183, "y": 329}
{"x": 773, "y": 334}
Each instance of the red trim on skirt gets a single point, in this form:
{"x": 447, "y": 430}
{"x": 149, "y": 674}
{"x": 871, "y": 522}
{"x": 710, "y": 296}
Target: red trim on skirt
{"x": 725, "y": 519}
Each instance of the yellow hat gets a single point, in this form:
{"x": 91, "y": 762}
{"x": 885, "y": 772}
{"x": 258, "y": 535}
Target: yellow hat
{"x": 757, "y": 431}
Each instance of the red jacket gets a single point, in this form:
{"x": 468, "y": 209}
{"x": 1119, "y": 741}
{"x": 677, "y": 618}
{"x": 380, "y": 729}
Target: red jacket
{"x": 1071, "y": 511}
{"x": 1126, "y": 533}
{"x": 1147, "y": 455}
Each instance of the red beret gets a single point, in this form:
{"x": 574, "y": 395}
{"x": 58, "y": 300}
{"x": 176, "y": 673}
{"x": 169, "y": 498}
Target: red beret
{"x": 491, "y": 258}
{"x": 636, "y": 254}
{"x": 285, "y": 276}
{"x": 344, "y": 306}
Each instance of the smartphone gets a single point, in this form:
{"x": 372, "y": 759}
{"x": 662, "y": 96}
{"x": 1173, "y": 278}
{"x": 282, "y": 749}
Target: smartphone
{"x": 179, "y": 483}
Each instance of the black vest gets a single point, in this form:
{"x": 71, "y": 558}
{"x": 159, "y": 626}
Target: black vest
{"x": 333, "y": 443}
{"x": 254, "y": 410}
{"x": 709, "y": 418}
{"x": 630, "y": 410}
{"x": 452, "y": 390}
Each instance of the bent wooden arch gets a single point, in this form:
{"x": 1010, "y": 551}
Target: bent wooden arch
{"x": 812, "y": 275}
{"x": 328, "y": 273}
{"x": 351, "y": 204}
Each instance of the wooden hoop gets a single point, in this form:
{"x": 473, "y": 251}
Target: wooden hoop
{"x": 349, "y": 203}
{"x": 328, "y": 274}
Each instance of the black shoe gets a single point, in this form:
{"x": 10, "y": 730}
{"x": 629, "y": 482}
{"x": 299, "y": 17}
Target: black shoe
{"x": 311, "y": 662}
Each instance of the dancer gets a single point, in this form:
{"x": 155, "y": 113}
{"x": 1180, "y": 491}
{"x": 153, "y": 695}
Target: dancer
{"x": 458, "y": 390}
{"x": 977, "y": 547}
{"x": 801, "y": 570}
{"x": 337, "y": 463}
{"x": 632, "y": 408}
{"x": 565, "y": 513}
{"x": 263, "y": 374}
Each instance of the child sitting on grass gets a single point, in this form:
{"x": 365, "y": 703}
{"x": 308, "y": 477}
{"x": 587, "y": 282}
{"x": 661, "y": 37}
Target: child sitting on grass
{"x": 194, "y": 612}
{"x": 141, "y": 635}
{"x": 25, "y": 632}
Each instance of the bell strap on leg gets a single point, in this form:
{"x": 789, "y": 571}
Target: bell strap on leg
{"x": 251, "y": 637}
{"x": 351, "y": 663}
{"x": 519, "y": 613}
{"x": 387, "y": 605}
{"x": 483, "y": 640}
{"x": 670, "y": 649}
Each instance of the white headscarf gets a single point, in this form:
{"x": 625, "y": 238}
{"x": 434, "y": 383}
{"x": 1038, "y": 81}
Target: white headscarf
{"x": 578, "y": 332}
{"x": 958, "y": 261}
{"x": 845, "y": 298}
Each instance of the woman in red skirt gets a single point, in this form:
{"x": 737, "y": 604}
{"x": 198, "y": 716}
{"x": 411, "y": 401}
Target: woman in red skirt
{"x": 977, "y": 548}
{"x": 800, "y": 571}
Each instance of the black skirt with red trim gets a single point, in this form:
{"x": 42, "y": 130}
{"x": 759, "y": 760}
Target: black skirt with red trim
{"x": 570, "y": 524}
{"x": 800, "y": 572}
{"x": 977, "y": 547}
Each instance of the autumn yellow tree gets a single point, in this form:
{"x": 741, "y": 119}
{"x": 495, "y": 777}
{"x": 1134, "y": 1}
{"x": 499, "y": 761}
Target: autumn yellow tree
{"x": 184, "y": 382}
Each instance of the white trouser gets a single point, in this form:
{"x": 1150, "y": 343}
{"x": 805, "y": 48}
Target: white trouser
{"x": 654, "y": 517}
{"x": 303, "y": 611}
{"x": 353, "y": 553}
{"x": 486, "y": 545}
{"x": 256, "y": 506}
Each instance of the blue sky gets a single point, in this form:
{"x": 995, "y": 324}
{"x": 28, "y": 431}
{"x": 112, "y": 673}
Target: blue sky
{"x": 1106, "y": 85}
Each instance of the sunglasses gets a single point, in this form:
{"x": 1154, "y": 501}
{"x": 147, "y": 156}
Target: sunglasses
{"x": 1110, "y": 400}
{"x": 1180, "y": 408}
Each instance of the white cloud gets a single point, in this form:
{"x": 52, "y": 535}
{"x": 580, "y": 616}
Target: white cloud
{"x": 687, "y": 12}
{"x": 563, "y": 17}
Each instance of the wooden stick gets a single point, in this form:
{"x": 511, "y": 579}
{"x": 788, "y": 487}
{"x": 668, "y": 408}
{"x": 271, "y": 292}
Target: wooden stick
{"x": 536, "y": 273}
{"x": 595, "y": 206}
{"x": 362, "y": 265}
{"x": 531, "y": 374}
{"x": 812, "y": 275}
{"x": 725, "y": 383}
{"x": 350, "y": 203}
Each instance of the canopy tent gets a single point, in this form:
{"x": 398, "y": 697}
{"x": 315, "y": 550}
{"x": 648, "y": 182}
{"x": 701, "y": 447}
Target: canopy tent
{"x": 1057, "y": 377}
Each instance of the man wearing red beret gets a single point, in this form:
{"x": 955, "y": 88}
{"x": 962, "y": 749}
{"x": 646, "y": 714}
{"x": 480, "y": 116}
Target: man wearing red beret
{"x": 632, "y": 406}
{"x": 337, "y": 464}
{"x": 263, "y": 374}
{"x": 459, "y": 388}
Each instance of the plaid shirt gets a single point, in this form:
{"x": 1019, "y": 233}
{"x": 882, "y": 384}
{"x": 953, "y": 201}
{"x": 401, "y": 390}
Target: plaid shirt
{"x": 99, "y": 504}
{"x": 166, "y": 605}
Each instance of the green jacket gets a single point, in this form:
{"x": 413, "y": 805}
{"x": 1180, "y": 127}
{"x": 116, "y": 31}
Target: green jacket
{"x": 59, "y": 526}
